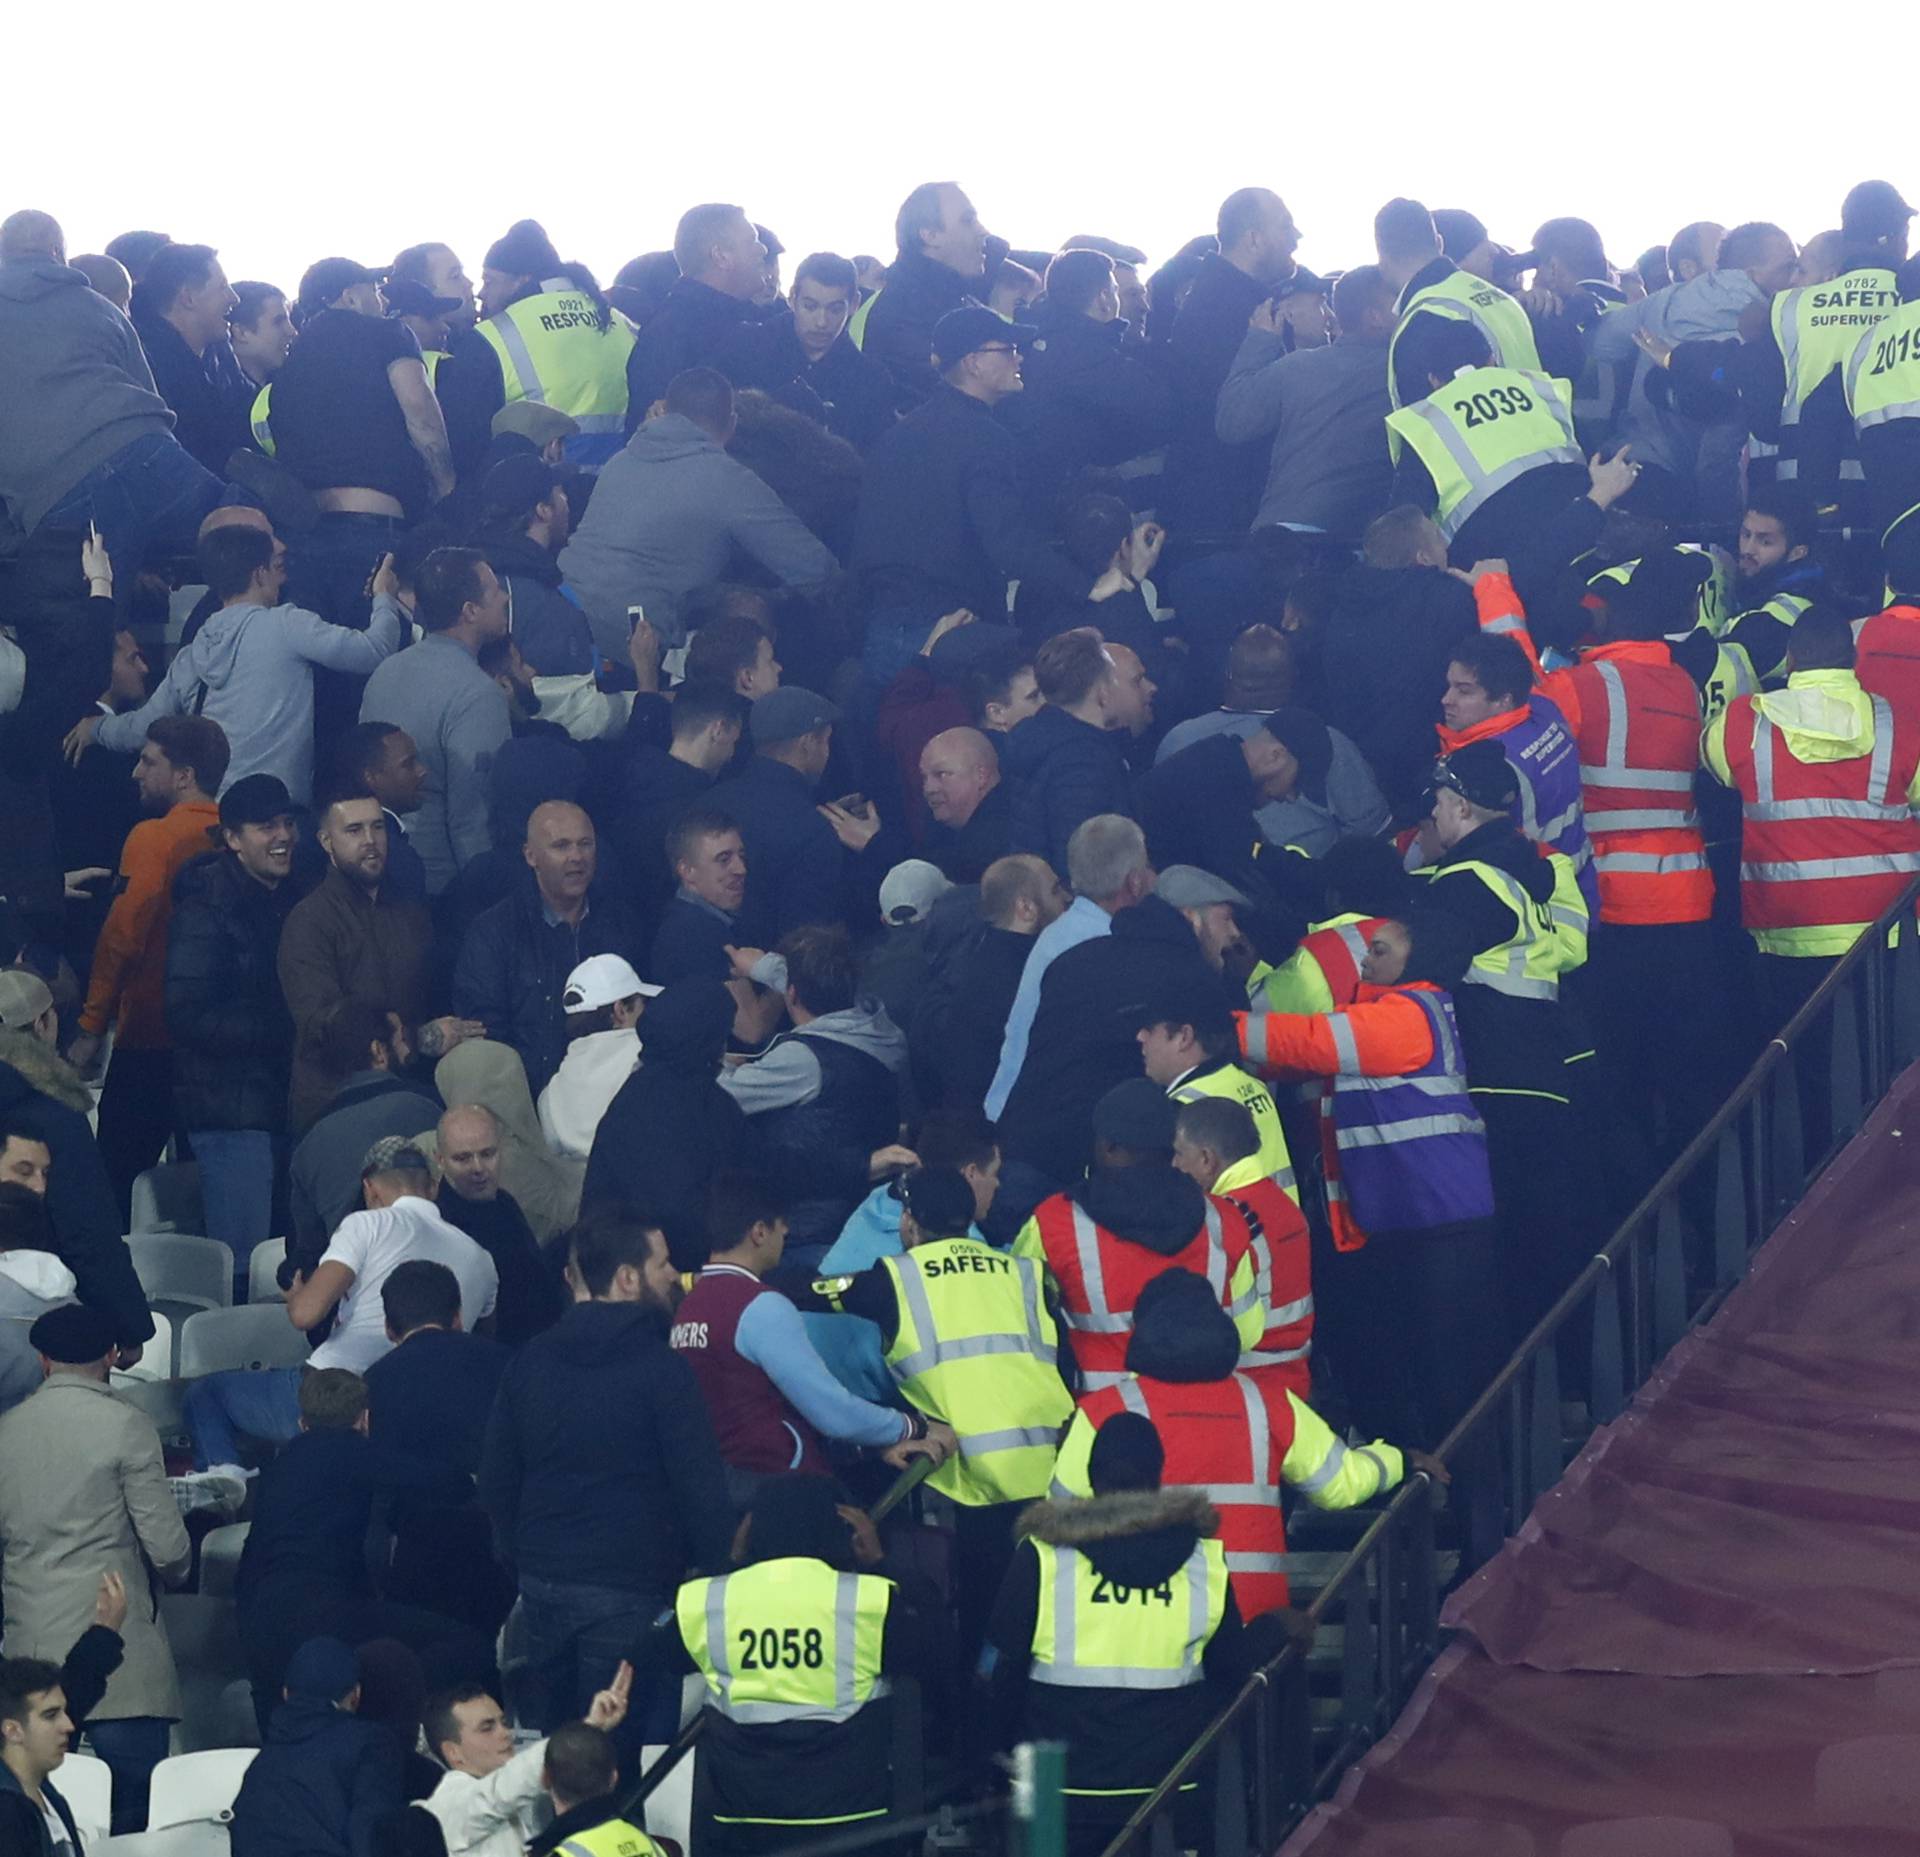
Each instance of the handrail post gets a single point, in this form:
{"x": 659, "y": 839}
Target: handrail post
{"x": 1669, "y": 1277}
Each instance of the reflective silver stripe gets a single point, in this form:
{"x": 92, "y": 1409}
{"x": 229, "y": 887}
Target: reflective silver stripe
{"x": 1901, "y": 409}
{"x": 1550, "y": 829}
{"x": 717, "y": 1642}
{"x": 1017, "y": 1438}
{"x": 1507, "y": 622}
{"x": 1256, "y": 1563}
{"x": 1287, "y": 1312}
{"x": 1033, "y": 1298}
{"x": 1648, "y": 819}
{"x": 1781, "y": 811}
{"x": 1880, "y": 768}
{"x": 846, "y": 1614}
{"x": 1515, "y": 986}
{"x": 1346, "y": 1047}
{"x": 1418, "y": 1128}
{"x": 1644, "y": 779}
{"x": 1615, "y": 689}
{"x": 1068, "y": 1672}
{"x": 1329, "y": 1469}
{"x": 1380, "y": 1468}
{"x": 1098, "y": 1318}
{"x": 1786, "y": 323}
{"x": 1255, "y": 1038}
{"x": 1216, "y": 1252}
{"x": 1133, "y": 1398}
{"x": 1256, "y": 1358}
{"x": 1762, "y": 759}
{"x": 1259, "y": 1432}
{"x": 1852, "y": 471}
{"x": 1787, "y": 469}
{"x": 1482, "y": 483}
{"x": 1644, "y": 864}
{"x": 1241, "y": 1495}
{"x": 1353, "y": 941}
{"x": 515, "y": 343}
{"x": 1445, "y": 1045}
{"x": 913, "y": 1287}
{"x": 1814, "y": 870}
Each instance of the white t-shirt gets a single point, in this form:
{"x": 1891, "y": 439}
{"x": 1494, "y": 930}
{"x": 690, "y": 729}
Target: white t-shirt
{"x": 372, "y": 1244}
{"x": 56, "y": 1829}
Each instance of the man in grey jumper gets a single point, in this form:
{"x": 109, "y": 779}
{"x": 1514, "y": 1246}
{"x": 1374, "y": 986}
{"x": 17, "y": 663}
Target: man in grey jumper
{"x": 1326, "y": 407}
{"x": 86, "y": 436}
{"x": 669, "y": 514}
{"x": 454, "y": 711}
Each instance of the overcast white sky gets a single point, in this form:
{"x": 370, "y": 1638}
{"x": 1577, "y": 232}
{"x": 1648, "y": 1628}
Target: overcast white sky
{"x": 286, "y": 133}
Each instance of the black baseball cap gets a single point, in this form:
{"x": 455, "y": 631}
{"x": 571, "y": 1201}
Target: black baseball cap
{"x": 1459, "y": 231}
{"x": 972, "y": 327}
{"x": 407, "y": 298}
{"x": 327, "y": 279}
{"x": 1306, "y": 738}
{"x": 73, "y": 1335}
{"x": 1187, "y": 999}
{"x": 255, "y": 799}
{"x": 1136, "y": 1114}
{"x": 1480, "y": 773}
{"x": 1874, "y": 210}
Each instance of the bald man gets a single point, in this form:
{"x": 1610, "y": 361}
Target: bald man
{"x": 86, "y": 434}
{"x": 513, "y": 965}
{"x": 970, "y": 821}
{"x": 471, "y": 1143}
{"x": 107, "y": 277}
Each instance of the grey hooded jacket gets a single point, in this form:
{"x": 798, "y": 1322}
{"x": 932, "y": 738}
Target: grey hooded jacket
{"x": 78, "y": 386}
{"x": 668, "y": 515}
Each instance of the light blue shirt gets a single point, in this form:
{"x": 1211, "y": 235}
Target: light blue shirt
{"x": 1083, "y": 921}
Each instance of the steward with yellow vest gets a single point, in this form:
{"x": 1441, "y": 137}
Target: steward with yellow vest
{"x": 1237, "y": 1436}
{"x": 969, "y": 1338}
{"x": 1409, "y": 1186}
{"x": 580, "y": 1774}
{"x": 1818, "y": 328}
{"x": 1132, "y": 1218}
{"x": 1117, "y": 1632}
{"x": 797, "y": 1646}
{"x": 1882, "y": 383}
{"x": 1525, "y": 926}
{"x": 557, "y": 340}
{"x": 1633, "y": 705}
{"x": 1491, "y": 452}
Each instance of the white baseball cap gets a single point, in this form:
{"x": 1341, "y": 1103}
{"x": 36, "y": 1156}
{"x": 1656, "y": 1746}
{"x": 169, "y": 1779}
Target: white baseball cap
{"x": 599, "y": 981}
{"x": 910, "y": 889}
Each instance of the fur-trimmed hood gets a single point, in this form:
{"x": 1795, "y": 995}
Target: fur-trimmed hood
{"x": 43, "y": 1069}
{"x": 1133, "y": 1537}
{"x": 1080, "y": 1523}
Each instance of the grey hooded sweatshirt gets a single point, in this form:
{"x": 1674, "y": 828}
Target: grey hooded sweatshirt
{"x": 255, "y": 667}
{"x": 78, "y": 386}
{"x": 788, "y": 1073}
{"x": 668, "y": 515}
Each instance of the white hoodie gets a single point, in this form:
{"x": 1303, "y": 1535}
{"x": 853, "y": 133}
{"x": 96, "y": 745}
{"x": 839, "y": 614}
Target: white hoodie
{"x": 497, "y": 1816}
{"x": 589, "y": 1078}
{"x": 31, "y": 1283}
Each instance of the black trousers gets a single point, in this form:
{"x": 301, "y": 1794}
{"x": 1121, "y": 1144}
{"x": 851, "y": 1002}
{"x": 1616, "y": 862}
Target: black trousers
{"x": 1543, "y": 1214}
{"x": 136, "y": 1119}
{"x": 1787, "y": 982}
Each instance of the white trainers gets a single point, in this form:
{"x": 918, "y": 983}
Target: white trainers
{"x": 223, "y": 1489}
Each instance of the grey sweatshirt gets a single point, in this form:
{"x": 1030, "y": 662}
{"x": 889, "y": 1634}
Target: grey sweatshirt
{"x": 789, "y": 1073}
{"x": 668, "y": 515}
{"x": 1327, "y": 410}
{"x": 458, "y": 719}
{"x": 78, "y": 386}
{"x": 255, "y": 664}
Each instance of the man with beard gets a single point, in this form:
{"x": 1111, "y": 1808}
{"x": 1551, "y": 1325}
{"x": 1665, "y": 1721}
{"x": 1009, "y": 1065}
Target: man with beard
{"x": 353, "y": 939}
{"x": 604, "y": 1521}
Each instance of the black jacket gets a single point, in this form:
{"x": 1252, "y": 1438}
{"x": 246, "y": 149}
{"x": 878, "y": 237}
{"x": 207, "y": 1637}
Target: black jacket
{"x": 671, "y": 1127}
{"x": 819, "y": 1150}
{"x": 600, "y": 1465}
{"x": 320, "y": 1787}
{"x": 470, "y": 391}
{"x": 855, "y": 391}
{"x": 1064, "y": 771}
{"x": 697, "y": 327}
{"x": 1087, "y": 402}
{"x": 1197, "y": 807}
{"x": 1083, "y": 1040}
{"x": 1383, "y": 654}
{"x": 945, "y": 520}
{"x": 324, "y": 1175}
{"x": 514, "y": 964}
{"x": 1508, "y": 1044}
{"x": 691, "y": 943}
{"x": 964, "y": 852}
{"x": 550, "y": 629}
{"x": 656, "y": 790}
{"x": 41, "y": 1094}
{"x": 1538, "y": 523}
{"x": 1211, "y": 488}
{"x": 797, "y": 869}
{"x": 23, "y": 1826}
{"x": 208, "y": 417}
{"x": 532, "y": 1291}
{"x": 899, "y": 332}
{"x": 956, "y": 1031}
{"x": 431, "y": 1396}
{"x": 96, "y": 1654}
{"x": 232, "y": 1034}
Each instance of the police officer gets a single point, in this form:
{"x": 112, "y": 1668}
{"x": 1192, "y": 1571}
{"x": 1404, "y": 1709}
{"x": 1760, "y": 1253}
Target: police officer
{"x": 1492, "y": 452}
{"x": 796, "y": 1646}
{"x": 1117, "y": 1632}
{"x": 970, "y": 1341}
{"x": 1131, "y": 1218}
{"x": 557, "y": 340}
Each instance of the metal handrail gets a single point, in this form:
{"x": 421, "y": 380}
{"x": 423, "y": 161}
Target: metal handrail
{"x": 1884, "y": 945}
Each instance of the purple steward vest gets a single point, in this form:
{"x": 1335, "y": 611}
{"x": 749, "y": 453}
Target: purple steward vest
{"x": 1413, "y": 1154}
{"x": 1542, "y": 752}
{"x": 754, "y": 1425}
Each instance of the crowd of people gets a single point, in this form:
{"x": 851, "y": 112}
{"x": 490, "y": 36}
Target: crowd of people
{"x": 1104, "y": 877}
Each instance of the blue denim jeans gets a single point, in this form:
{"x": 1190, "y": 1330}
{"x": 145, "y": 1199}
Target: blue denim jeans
{"x": 236, "y": 1190}
{"x": 150, "y": 495}
{"x": 132, "y": 1747}
{"x": 264, "y": 1403}
{"x": 329, "y": 567}
{"x": 576, "y": 1636}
